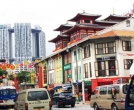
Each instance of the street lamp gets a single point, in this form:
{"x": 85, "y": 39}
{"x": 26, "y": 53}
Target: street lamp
{"x": 26, "y": 80}
{"x": 67, "y": 50}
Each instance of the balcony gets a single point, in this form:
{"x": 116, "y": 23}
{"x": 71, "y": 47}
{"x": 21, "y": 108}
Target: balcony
{"x": 71, "y": 42}
{"x": 57, "y": 48}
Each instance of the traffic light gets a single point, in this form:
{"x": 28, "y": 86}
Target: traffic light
{"x": 2, "y": 60}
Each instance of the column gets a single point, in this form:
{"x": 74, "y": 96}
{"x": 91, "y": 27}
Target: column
{"x": 83, "y": 92}
{"x": 40, "y": 77}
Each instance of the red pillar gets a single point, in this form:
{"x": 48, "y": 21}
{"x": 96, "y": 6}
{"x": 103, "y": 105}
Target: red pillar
{"x": 94, "y": 84}
{"x": 40, "y": 83}
{"x": 15, "y": 83}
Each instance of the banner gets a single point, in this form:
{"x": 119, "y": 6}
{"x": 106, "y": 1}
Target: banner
{"x": 32, "y": 78}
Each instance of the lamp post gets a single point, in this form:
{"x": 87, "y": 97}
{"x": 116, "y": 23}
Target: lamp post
{"x": 26, "y": 81}
{"x": 67, "y": 50}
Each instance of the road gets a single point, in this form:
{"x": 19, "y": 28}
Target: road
{"x": 77, "y": 107}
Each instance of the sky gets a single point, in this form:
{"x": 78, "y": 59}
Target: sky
{"x": 50, "y": 14}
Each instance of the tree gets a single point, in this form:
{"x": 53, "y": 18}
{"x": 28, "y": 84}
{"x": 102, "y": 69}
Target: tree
{"x": 11, "y": 77}
{"x": 3, "y": 74}
{"x": 22, "y": 76}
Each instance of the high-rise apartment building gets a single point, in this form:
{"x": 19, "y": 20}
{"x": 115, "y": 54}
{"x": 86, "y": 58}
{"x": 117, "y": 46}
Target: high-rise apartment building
{"x": 22, "y": 42}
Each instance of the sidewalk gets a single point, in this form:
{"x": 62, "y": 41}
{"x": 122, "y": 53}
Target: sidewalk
{"x": 82, "y": 103}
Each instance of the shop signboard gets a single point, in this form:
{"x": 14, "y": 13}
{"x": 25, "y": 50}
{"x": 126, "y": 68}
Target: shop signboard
{"x": 67, "y": 66}
{"x": 106, "y": 58}
{"x": 87, "y": 83}
{"x": 69, "y": 75}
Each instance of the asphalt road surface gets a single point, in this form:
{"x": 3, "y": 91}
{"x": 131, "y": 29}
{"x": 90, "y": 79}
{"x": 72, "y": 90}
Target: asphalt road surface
{"x": 77, "y": 107}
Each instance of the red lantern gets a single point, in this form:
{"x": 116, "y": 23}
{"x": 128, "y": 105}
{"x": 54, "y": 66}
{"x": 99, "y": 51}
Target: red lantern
{"x": 8, "y": 65}
{"x": 4, "y": 67}
{"x": 0, "y": 65}
{"x": 12, "y": 67}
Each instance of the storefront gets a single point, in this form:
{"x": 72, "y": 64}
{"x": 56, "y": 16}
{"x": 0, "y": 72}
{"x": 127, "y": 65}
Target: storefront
{"x": 67, "y": 73}
{"x": 87, "y": 89}
{"x": 107, "y": 81}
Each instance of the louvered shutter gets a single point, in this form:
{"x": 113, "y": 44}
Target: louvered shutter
{"x": 114, "y": 47}
{"x": 96, "y": 49}
{"x": 106, "y": 48}
{"x": 116, "y": 65}
{"x": 124, "y": 45}
{"x": 104, "y": 51}
{"x": 125, "y": 64}
{"x": 96, "y": 69}
{"x": 107, "y": 69}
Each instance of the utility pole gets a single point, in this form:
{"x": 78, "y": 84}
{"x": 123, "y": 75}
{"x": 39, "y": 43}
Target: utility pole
{"x": 77, "y": 76}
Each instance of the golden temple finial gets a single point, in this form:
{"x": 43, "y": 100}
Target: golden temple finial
{"x": 66, "y": 22}
{"x": 83, "y": 11}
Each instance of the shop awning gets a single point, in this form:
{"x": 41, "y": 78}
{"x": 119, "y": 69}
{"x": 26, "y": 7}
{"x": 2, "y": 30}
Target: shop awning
{"x": 57, "y": 87}
{"x": 65, "y": 88}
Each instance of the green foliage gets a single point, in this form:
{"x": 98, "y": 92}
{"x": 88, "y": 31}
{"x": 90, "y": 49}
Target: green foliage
{"x": 3, "y": 73}
{"x": 22, "y": 76}
{"x": 11, "y": 77}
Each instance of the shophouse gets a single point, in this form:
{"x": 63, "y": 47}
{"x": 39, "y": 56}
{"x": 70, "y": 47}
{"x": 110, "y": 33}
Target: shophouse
{"x": 50, "y": 73}
{"x": 79, "y": 52}
{"x": 41, "y": 73}
{"x": 86, "y": 25}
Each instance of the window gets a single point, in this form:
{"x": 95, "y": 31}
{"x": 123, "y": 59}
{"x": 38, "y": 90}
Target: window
{"x": 56, "y": 62}
{"x": 125, "y": 88}
{"x": 79, "y": 54}
{"x": 74, "y": 55}
{"x": 65, "y": 44}
{"x": 106, "y": 68}
{"x": 37, "y": 95}
{"x": 126, "y": 45}
{"x": 74, "y": 37}
{"x": 86, "y": 70}
{"x": 101, "y": 68}
{"x": 5, "y": 92}
{"x": 12, "y": 91}
{"x": 87, "y": 21}
{"x": 79, "y": 71}
{"x": 96, "y": 90}
{"x": 112, "y": 70}
{"x": 83, "y": 36}
{"x": 87, "y": 51}
{"x": 100, "y": 49}
{"x": 103, "y": 90}
{"x": 110, "y": 90}
{"x": 75, "y": 73}
{"x": 60, "y": 62}
{"x": 50, "y": 78}
{"x": 90, "y": 69}
{"x": 105, "y": 48}
{"x": 59, "y": 44}
{"x": 130, "y": 98}
{"x": 111, "y": 47}
{"x": 128, "y": 23}
{"x": 60, "y": 77}
{"x": 128, "y": 63}
{"x": 52, "y": 64}
{"x": 117, "y": 89}
{"x": 49, "y": 65}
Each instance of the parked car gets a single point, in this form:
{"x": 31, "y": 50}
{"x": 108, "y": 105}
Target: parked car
{"x": 33, "y": 99}
{"x": 63, "y": 98}
{"x": 104, "y": 97}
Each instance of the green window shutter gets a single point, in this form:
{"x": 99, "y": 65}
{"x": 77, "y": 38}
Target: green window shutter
{"x": 79, "y": 54}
